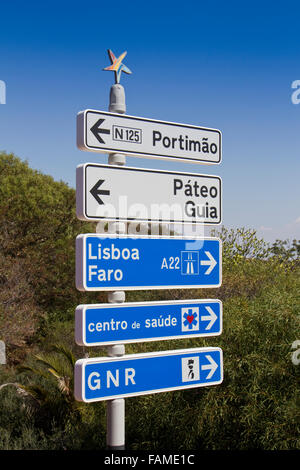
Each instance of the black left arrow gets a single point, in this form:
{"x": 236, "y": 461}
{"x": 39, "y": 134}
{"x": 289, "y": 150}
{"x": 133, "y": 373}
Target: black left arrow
{"x": 96, "y": 192}
{"x": 97, "y": 131}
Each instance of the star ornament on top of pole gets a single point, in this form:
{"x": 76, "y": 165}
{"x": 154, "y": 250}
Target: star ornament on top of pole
{"x": 117, "y": 66}
{"x": 117, "y": 92}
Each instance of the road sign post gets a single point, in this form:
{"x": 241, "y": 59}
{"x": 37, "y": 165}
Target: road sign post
{"x": 114, "y": 261}
{"x": 115, "y": 410}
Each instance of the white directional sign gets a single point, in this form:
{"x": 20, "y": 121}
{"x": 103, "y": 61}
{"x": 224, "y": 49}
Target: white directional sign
{"x": 106, "y": 378}
{"x": 106, "y": 192}
{"x": 100, "y": 131}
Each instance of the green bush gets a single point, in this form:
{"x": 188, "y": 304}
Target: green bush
{"x": 256, "y": 406}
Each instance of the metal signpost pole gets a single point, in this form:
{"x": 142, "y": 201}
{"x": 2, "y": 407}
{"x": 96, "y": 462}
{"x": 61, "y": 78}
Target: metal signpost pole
{"x": 115, "y": 417}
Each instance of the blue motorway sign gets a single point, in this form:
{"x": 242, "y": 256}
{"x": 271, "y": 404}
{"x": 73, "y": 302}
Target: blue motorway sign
{"x": 106, "y": 324}
{"x": 106, "y": 378}
{"x": 127, "y": 262}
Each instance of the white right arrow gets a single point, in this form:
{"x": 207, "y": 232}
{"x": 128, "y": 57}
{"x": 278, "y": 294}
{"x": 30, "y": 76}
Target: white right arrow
{"x": 212, "y": 317}
{"x": 211, "y": 262}
{"x": 212, "y": 367}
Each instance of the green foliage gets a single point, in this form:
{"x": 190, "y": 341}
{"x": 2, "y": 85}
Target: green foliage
{"x": 286, "y": 250}
{"x": 256, "y": 406}
{"x": 56, "y": 367}
{"x": 241, "y": 244}
{"x": 38, "y": 227}
{"x": 42, "y": 427}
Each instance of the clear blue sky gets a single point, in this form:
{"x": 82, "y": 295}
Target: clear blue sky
{"x": 226, "y": 65}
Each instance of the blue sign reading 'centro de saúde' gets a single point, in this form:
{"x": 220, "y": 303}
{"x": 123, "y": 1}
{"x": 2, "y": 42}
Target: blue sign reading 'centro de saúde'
{"x": 106, "y": 324}
{"x": 107, "y": 378}
{"x": 126, "y": 262}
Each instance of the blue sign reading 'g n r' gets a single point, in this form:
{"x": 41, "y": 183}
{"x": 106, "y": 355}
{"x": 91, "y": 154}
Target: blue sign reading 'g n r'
{"x": 122, "y": 262}
{"x": 102, "y": 378}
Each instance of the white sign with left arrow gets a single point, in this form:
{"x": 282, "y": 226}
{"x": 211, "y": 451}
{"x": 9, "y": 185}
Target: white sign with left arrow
{"x": 100, "y": 131}
{"x": 106, "y": 192}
